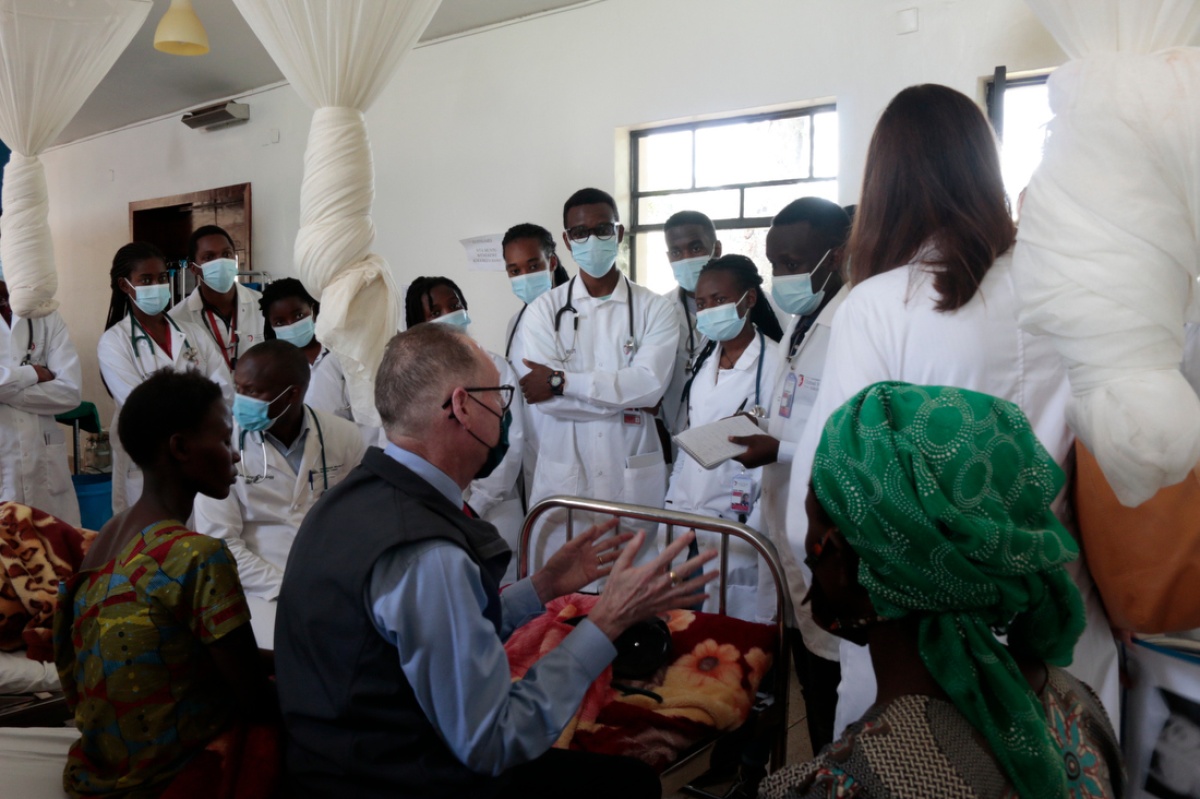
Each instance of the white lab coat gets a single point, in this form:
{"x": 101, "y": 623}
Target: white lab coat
{"x": 33, "y": 449}
{"x": 717, "y": 393}
{"x": 250, "y": 321}
{"x": 327, "y": 392}
{"x": 530, "y": 418}
{"x": 258, "y": 521}
{"x": 791, "y": 406}
{"x": 887, "y": 329}
{"x": 123, "y": 370}
{"x": 597, "y": 440}
{"x": 497, "y": 497}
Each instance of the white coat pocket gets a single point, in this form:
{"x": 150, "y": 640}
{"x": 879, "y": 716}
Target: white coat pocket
{"x": 57, "y": 474}
{"x": 645, "y": 480}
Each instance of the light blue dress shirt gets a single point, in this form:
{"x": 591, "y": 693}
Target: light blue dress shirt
{"x": 427, "y": 599}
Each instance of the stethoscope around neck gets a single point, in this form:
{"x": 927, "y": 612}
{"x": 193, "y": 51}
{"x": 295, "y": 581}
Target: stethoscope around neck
{"x": 135, "y": 340}
{"x": 630, "y": 345}
{"x": 262, "y": 442}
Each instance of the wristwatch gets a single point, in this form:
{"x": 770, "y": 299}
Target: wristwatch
{"x": 556, "y": 381}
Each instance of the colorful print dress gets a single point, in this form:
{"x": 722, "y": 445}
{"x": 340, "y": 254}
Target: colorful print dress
{"x": 130, "y": 646}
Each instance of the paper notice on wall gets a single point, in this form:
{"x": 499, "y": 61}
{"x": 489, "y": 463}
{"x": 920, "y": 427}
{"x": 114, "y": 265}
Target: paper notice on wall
{"x": 485, "y": 253}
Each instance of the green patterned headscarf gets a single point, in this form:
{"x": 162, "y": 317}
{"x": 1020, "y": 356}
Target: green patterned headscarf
{"x": 945, "y": 495}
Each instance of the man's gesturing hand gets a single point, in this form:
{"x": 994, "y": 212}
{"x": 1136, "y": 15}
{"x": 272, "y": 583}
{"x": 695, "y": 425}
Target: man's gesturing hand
{"x": 634, "y": 593}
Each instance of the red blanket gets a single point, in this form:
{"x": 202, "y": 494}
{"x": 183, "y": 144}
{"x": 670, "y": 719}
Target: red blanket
{"x": 709, "y": 686}
{"x": 36, "y": 551}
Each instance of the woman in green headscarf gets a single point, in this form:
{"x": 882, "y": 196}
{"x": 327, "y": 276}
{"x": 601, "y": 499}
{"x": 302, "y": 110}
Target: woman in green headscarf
{"x": 930, "y": 534}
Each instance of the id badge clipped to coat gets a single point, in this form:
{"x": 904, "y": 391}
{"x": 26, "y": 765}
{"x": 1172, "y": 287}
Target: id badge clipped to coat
{"x": 741, "y": 498}
{"x": 788, "y": 396}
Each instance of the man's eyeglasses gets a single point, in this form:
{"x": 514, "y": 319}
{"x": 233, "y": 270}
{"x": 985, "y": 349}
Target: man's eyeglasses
{"x": 506, "y": 395}
{"x": 582, "y": 233}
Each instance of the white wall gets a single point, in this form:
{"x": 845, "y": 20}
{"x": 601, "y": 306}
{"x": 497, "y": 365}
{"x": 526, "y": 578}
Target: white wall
{"x": 480, "y": 133}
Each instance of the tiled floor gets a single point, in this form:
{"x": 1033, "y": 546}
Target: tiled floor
{"x": 799, "y": 746}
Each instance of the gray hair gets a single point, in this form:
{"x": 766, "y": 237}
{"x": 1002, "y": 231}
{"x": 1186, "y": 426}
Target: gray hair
{"x": 420, "y": 367}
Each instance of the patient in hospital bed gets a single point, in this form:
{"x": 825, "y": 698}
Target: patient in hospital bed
{"x": 152, "y": 638}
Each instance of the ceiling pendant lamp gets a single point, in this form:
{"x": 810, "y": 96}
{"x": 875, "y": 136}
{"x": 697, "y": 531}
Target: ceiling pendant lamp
{"x": 180, "y": 31}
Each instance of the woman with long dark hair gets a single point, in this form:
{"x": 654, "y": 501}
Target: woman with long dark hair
{"x": 933, "y": 303}
{"x": 139, "y": 339}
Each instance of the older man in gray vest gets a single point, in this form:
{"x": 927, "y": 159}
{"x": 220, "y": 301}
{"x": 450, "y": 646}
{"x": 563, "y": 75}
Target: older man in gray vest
{"x": 389, "y": 639}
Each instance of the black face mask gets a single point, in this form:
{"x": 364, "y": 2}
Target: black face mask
{"x": 497, "y": 451}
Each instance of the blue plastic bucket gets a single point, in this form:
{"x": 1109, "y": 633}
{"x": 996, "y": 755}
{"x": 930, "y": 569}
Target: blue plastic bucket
{"x": 95, "y": 499}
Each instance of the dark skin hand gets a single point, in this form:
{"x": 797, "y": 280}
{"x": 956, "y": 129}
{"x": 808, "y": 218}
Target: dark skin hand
{"x": 760, "y": 450}
{"x": 535, "y": 386}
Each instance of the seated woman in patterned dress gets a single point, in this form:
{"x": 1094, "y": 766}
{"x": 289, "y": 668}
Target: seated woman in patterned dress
{"x": 152, "y": 638}
{"x": 930, "y": 535}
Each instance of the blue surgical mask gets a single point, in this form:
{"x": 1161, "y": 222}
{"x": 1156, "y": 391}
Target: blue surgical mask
{"x": 151, "y": 300}
{"x": 721, "y": 323}
{"x": 457, "y": 318}
{"x": 220, "y": 274}
{"x": 794, "y": 293}
{"x": 595, "y": 256}
{"x": 254, "y": 414}
{"x": 298, "y": 334}
{"x": 531, "y": 286}
{"x": 687, "y": 271}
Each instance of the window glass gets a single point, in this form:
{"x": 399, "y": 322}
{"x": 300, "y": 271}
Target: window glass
{"x": 722, "y": 204}
{"x": 665, "y": 161}
{"x": 774, "y": 149}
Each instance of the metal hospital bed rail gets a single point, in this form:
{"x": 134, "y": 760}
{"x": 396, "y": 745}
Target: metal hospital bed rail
{"x": 771, "y": 706}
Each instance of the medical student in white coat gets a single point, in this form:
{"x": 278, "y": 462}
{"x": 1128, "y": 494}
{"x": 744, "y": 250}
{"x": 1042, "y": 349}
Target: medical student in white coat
{"x": 805, "y": 246}
{"x": 290, "y": 314}
{"x": 735, "y": 373}
{"x": 291, "y": 454}
{"x": 139, "y": 339}
{"x": 532, "y": 265}
{"x": 599, "y": 353}
{"x": 39, "y": 377}
{"x": 226, "y": 310}
{"x": 933, "y": 303}
{"x": 495, "y": 497}
{"x": 692, "y": 242}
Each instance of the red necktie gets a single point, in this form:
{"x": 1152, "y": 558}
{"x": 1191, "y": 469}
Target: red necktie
{"x": 467, "y": 510}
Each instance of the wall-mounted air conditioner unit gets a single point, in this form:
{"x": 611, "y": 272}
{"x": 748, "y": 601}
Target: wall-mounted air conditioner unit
{"x": 221, "y": 115}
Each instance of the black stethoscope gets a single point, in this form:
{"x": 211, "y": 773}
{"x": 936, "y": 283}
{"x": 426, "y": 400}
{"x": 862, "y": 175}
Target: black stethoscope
{"x": 262, "y": 442}
{"x": 757, "y": 410}
{"x": 691, "y": 345}
{"x": 134, "y": 339}
{"x": 29, "y": 348}
{"x": 630, "y": 345}
{"x": 517, "y": 325}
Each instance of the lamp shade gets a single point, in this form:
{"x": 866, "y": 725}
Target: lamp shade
{"x": 180, "y": 31}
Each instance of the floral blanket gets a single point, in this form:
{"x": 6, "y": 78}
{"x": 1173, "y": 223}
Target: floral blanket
{"x": 36, "y": 551}
{"x": 709, "y": 685}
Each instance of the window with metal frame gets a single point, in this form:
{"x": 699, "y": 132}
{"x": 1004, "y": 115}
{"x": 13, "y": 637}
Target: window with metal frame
{"x": 739, "y": 171}
{"x": 1019, "y": 109}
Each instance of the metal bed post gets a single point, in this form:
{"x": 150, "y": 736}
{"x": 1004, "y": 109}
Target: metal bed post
{"x": 672, "y": 519}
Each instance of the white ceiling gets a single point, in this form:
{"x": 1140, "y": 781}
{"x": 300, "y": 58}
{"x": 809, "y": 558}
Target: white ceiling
{"x": 146, "y": 84}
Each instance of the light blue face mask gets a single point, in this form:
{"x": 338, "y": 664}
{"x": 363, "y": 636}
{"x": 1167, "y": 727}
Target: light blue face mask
{"x": 220, "y": 274}
{"x": 457, "y": 318}
{"x": 151, "y": 300}
{"x": 595, "y": 256}
{"x": 721, "y": 323}
{"x": 531, "y": 286}
{"x": 794, "y": 293}
{"x": 687, "y": 271}
{"x": 298, "y": 334}
{"x": 254, "y": 414}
